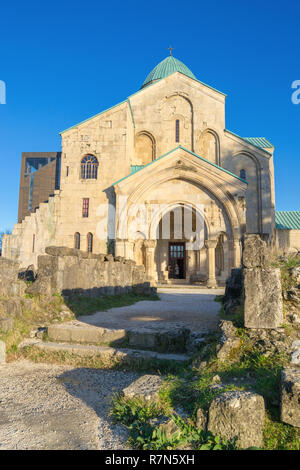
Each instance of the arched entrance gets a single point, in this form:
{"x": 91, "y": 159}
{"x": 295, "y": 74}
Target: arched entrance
{"x": 180, "y": 234}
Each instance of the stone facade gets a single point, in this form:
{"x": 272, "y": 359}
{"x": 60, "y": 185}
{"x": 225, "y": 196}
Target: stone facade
{"x": 176, "y": 128}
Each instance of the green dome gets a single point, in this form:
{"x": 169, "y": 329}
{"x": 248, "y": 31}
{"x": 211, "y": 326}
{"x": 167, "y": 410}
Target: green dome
{"x": 166, "y": 68}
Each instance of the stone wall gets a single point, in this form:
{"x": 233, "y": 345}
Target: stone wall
{"x": 288, "y": 241}
{"x": 69, "y": 271}
{"x": 10, "y": 285}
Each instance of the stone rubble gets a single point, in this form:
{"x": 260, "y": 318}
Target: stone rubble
{"x": 145, "y": 387}
{"x": 229, "y": 341}
{"x": 290, "y": 396}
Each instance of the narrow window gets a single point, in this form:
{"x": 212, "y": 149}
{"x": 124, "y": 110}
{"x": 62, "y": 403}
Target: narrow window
{"x": 85, "y": 207}
{"x": 67, "y": 171}
{"x": 33, "y": 243}
{"x": 243, "y": 174}
{"x": 77, "y": 241}
{"x": 90, "y": 242}
{"x": 177, "y": 131}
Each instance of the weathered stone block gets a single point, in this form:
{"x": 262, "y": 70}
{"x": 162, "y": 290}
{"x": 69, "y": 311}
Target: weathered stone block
{"x": 229, "y": 341}
{"x": 263, "y": 298}
{"x": 255, "y": 252}
{"x": 295, "y": 273}
{"x": 6, "y": 324}
{"x": 11, "y": 307}
{"x": 146, "y": 387}
{"x": 201, "y": 419}
{"x": 295, "y": 359}
{"x": 2, "y": 352}
{"x": 9, "y": 283}
{"x": 238, "y": 414}
{"x": 290, "y": 396}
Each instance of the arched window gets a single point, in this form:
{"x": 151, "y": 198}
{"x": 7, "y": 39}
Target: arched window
{"x": 177, "y": 136}
{"x": 77, "y": 241}
{"x": 90, "y": 242}
{"x": 89, "y": 167}
{"x": 243, "y": 174}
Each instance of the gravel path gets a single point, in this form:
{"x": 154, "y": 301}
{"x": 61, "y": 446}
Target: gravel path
{"x": 45, "y": 406}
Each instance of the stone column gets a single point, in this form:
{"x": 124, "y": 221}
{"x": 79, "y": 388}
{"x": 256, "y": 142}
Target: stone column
{"x": 150, "y": 265}
{"x": 120, "y": 248}
{"x": 227, "y": 269}
{"x": 236, "y": 253}
{"x": 211, "y": 263}
{"x": 129, "y": 249}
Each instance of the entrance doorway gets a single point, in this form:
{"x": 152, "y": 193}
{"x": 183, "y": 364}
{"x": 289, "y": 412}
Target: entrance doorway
{"x": 176, "y": 260}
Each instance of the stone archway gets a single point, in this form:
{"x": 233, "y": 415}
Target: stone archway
{"x": 220, "y": 193}
{"x": 180, "y": 231}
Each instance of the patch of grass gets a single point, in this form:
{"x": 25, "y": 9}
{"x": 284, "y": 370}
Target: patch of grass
{"x": 155, "y": 366}
{"x": 83, "y": 305}
{"x": 129, "y": 410}
{"x": 285, "y": 267}
{"x": 36, "y": 310}
{"x": 248, "y": 370}
{"x": 145, "y": 433}
{"x": 280, "y": 436}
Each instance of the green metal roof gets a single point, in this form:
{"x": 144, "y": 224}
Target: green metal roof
{"x": 136, "y": 168}
{"x": 254, "y": 141}
{"x": 165, "y": 68}
{"x": 287, "y": 220}
{"x": 261, "y": 142}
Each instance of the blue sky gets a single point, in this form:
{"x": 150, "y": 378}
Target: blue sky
{"x": 63, "y": 61}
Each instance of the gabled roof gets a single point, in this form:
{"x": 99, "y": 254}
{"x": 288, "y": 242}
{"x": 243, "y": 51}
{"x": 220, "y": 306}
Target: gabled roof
{"x": 287, "y": 220}
{"x": 136, "y": 168}
{"x": 259, "y": 142}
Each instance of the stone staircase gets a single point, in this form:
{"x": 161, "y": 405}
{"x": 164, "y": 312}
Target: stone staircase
{"x": 165, "y": 344}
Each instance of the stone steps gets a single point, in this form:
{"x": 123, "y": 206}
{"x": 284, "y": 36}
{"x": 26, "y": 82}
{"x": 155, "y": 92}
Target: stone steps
{"x": 163, "y": 339}
{"x": 106, "y": 355}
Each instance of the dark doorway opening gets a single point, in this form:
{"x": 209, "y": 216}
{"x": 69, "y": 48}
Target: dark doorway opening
{"x": 176, "y": 260}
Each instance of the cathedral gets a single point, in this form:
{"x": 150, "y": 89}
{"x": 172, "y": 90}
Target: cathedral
{"x": 157, "y": 178}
